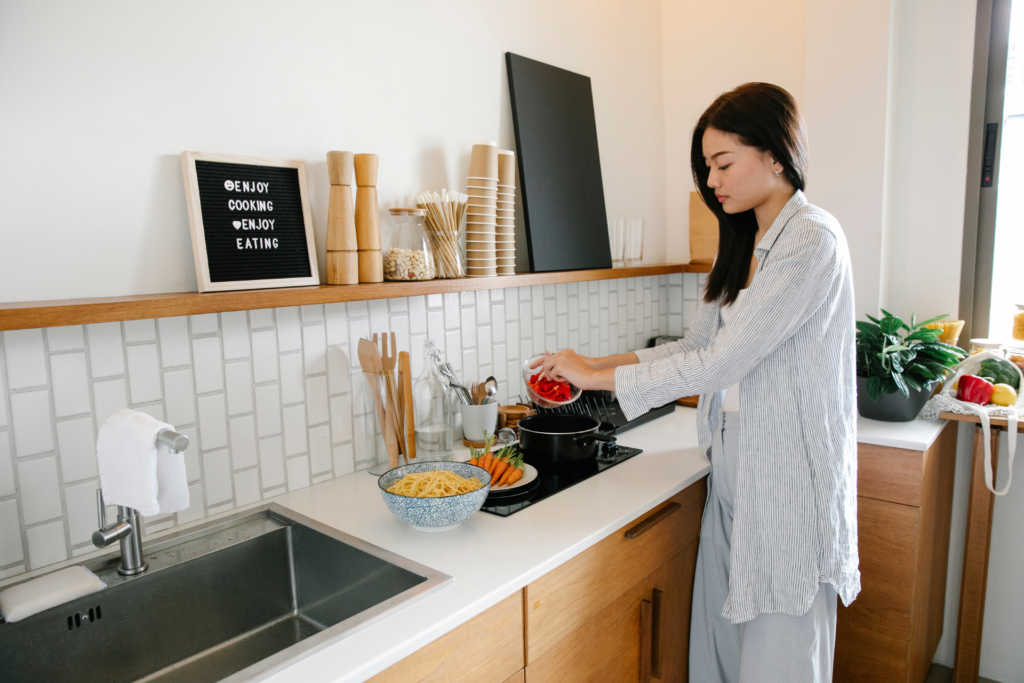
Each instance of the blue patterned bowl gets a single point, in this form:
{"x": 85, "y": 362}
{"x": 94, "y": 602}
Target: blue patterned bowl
{"x": 435, "y": 514}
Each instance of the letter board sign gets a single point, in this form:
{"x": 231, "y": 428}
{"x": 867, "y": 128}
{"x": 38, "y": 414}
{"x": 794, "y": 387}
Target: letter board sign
{"x": 250, "y": 222}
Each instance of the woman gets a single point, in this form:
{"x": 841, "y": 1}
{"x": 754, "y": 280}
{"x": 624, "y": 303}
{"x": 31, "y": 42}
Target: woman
{"x": 771, "y": 353}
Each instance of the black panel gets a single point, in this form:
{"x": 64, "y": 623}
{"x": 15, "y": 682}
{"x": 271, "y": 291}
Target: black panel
{"x": 559, "y": 167}
{"x": 255, "y": 230}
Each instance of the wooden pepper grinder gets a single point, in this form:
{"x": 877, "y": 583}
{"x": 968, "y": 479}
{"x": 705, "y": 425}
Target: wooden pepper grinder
{"x": 342, "y": 257}
{"x": 371, "y": 262}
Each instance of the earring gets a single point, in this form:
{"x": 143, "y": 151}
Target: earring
{"x": 778, "y": 172}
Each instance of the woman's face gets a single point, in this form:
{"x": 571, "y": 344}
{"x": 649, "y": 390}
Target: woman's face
{"x": 743, "y": 177}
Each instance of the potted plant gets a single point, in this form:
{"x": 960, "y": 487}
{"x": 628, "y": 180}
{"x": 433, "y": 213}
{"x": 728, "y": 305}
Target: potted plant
{"x": 898, "y": 365}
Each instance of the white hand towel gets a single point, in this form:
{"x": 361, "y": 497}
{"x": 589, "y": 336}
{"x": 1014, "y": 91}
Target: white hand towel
{"x": 48, "y": 591}
{"x": 135, "y": 470}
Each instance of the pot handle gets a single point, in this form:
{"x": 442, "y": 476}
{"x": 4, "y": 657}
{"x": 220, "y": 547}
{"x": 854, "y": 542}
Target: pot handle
{"x": 585, "y": 440}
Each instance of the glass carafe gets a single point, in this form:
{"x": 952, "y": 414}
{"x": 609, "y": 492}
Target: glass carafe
{"x": 431, "y": 410}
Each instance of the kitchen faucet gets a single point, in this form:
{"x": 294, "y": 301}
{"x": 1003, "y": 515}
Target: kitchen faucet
{"x": 128, "y": 528}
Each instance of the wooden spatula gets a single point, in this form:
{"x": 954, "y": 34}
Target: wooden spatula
{"x": 407, "y": 406}
{"x": 369, "y": 359}
{"x": 389, "y": 362}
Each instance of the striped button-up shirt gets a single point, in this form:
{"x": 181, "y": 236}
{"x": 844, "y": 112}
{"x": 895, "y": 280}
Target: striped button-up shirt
{"x": 791, "y": 348}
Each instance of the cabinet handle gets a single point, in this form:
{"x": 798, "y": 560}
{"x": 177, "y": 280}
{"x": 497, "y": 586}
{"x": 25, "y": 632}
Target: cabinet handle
{"x": 656, "y": 634}
{"x": 646, "y": 628}
{"x": 646, "y": 525}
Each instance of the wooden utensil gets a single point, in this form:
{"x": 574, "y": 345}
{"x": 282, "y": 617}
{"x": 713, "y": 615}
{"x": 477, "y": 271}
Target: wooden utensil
{"x": 388, "y": 363}
{"x": 405, "y": 368}
{"x": 370, "y": 361}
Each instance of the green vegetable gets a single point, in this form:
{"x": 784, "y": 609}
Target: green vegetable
{"x": 895, "y": 356}
{"x": 1000, "y": 372}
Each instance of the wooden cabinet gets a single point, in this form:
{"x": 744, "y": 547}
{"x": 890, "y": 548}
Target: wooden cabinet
{"x": 486, "y": 649}
{"x": 890, "y": 632}
{"x": 619, "y": 611}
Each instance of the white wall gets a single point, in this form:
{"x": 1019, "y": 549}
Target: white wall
{"x": 100, "y": 98}
{"x": 932, "y": 88}
{"x": 707, "y": 49}
{"x": 845, "y": 89}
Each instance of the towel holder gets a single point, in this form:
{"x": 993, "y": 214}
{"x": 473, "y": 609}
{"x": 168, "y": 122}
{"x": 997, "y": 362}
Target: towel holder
{"x": 174, "y": 440}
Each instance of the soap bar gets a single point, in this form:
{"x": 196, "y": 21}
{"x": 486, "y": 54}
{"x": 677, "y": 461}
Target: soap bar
{"x": 37, "y": 595}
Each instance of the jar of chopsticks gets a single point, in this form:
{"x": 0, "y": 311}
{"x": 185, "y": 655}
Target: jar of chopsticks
{"x": 445, "y": 211}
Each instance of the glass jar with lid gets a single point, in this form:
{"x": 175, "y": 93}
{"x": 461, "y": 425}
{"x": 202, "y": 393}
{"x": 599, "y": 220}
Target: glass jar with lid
{"x": 407, "y": 252}
{"x": 432, "y": 410}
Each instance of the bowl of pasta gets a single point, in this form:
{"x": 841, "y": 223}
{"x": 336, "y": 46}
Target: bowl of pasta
{"x": 435, "y": 496}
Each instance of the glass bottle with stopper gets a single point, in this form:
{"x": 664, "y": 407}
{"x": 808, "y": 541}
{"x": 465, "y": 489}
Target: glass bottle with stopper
{"x": 430, "y": 399}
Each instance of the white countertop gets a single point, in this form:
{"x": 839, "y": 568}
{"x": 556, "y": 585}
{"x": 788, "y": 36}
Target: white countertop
{"x": 489, "y": 557}
{"x": 917, "y": 435}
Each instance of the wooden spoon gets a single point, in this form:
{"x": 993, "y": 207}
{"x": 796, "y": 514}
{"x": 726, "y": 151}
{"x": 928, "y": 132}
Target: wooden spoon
{"x": 388, "y": 362}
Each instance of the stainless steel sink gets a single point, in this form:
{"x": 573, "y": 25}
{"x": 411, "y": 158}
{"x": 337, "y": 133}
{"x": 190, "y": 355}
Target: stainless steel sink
{"x": 234, "y": 600}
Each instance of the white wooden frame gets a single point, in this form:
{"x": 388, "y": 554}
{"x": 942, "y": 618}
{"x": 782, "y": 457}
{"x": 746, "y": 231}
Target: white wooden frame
{"x": 195, "y": 222}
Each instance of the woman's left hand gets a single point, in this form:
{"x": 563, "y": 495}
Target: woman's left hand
{"x": 569, "y": 366}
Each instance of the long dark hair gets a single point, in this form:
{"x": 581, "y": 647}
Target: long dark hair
{"x": 764, "y": 116}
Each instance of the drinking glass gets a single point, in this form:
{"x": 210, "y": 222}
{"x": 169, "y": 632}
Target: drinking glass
{"x": 383, "y": 388}
{"x": 634, "y": 242}
{"x": 617, "y": 240}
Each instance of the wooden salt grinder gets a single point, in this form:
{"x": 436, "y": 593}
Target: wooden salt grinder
{"x": 368, "y": 219}
{"x": 342, "y": 257}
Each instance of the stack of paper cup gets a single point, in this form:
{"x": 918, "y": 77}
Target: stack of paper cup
{"x": 505, "y": 225}
{"x": 481, "y": 211}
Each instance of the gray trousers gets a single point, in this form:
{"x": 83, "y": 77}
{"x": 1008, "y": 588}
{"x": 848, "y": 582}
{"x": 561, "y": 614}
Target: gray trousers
{"x": 771, "y": 648}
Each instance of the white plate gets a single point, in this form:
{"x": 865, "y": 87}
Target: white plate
{"x": 529, "y": 474}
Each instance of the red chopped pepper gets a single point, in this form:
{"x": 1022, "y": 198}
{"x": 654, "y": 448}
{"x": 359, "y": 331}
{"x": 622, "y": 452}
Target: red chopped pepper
{"x": 546, "y": 388}
{"x": 974, "y": 390}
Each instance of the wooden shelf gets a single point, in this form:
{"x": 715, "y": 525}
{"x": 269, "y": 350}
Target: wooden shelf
{"x": 31, "y": 314}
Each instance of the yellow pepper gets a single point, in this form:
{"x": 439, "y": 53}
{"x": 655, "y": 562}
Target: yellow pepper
{"x": 1003, "y": 395}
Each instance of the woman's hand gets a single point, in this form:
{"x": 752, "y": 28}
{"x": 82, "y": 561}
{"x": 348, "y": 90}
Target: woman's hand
{"x": 569, "y": 366}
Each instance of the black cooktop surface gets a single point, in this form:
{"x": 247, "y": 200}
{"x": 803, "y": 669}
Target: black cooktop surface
{"x": 551, "y": 481}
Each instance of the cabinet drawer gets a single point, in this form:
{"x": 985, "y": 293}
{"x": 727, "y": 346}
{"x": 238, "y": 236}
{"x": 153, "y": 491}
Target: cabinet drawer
{"x": 890, "y": 474}
{"x": 566, "y": 604}
{"x": 873, "y": 634}
{"x": 486, "y": 649}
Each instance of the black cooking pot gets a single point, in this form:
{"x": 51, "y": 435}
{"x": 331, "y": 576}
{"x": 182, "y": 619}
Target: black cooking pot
{"x": 556, "y": 440}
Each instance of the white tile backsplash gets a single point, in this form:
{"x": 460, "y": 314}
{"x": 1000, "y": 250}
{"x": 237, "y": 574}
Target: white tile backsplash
{"x": 236, "y": 335}
{"x": 271, "y": 462}
{"x": 175, "y": 349}
{"x": 292, "y": 381}
{"x": 207, "y": 364}
{"x": 26, "y": 359}
{"x": 11, "y": 549}
{"x": 76, "y": 445}
{"x": 143, "y": 374}
{"x": 7, "y": 487}
{"x": 217, "y": 476}
{"x": 108, "y": 397}
{"x": 139, "y": 330}
{"x": 67, "y": 338}
{"x": 267, "y": 397}
{"x": 31, "y": 422}
{"x": 70, "y": 384}
{"x": 243, "y": 442}
{"x": 238, "y": 377}
{"x": 40, "y": 490}
{"x": 46, "y": 544}
{"x": 213, "y": 428}
{"x": 80, "y": 500}
{"x": 179, "y": 397}
{"x": 105, "y": 349}
{"x": 247, "y": 487}
{"x": 289, "y": 337}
